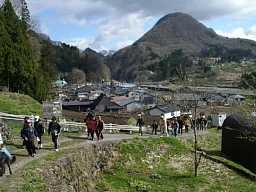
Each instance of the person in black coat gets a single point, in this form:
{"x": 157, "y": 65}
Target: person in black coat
{"x": 140, "y": 123}
{"x": 54, "y": 130}
{"x": 39, "y": 128}
{"x": 29, "y": 135}
{"x": 154, "y": 127}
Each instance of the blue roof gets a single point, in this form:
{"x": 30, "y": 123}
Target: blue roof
{"x": 60, "y": 82}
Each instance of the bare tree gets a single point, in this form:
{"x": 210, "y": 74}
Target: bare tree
{"x": 197, "y": 154}
{"x": 77, "y": 76}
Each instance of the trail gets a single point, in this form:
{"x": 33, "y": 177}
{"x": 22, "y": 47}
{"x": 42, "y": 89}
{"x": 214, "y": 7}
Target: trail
{"x": 80, "y": 141}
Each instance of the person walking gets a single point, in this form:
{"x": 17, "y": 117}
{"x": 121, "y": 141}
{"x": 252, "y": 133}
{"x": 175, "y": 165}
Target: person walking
{"x": 54, "y": 130}
{"x": 38, "y": 125}
{"x": 100, "y": 127}
{"x": 4, "y": 150}
{"x": 140, "y": 123}
{"x": 154, "y": 127}
{"x": 181, "y": 124}
{"x": 93, "y": 126}
{"x": 87, "y": 121}
{"x": 175, "y": 127}
{"x": 29, "y": 135}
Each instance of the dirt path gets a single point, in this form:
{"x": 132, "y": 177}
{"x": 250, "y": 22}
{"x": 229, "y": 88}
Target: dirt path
{"x": 23, "y": 159}
{"x": 79, "y": 141}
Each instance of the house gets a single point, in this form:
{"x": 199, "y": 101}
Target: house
{"x": 60, "y": 83}
{"x": 216, "y": 100}
{"x": 82, "y": 106}
{"x": 94, "y": 95}
{"x": 159, "y": 110}
{"x": 106, "y": 105}
{"x": 188, "y": 99}
{"x": 134, "y": 106}
{"x": 83, "y": 96}
{"x": 130, "y": 104}
{"x": 236, "y": 100}
{"x": 78, "y": 105}
{"x": 144, "y": 97}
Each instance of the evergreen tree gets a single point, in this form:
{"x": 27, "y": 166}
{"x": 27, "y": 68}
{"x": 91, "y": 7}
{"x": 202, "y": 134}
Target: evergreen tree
{"x": 5, "y": 50}
{"x": 18, "y": 68}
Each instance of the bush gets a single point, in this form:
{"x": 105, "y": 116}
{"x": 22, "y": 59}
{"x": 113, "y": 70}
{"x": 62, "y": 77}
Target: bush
{"x": 132, "y": 121}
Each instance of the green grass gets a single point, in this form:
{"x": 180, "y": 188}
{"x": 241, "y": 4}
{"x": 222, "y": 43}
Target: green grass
{"x": 166, "y": 164}
{"x": 19, "y": 104}
{"x": 145, "y": 165}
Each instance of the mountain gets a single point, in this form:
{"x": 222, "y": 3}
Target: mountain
{"x": 172, "y": 32}
{"x": 64, "y": 58}
{"x": 94, "y": 64}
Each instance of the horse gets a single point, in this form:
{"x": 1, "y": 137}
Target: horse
{"x": 5, "y": 160}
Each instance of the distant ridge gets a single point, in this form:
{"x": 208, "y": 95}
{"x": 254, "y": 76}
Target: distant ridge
{"x": 173, "y": 31}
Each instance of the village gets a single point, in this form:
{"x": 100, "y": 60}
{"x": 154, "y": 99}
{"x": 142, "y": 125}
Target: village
{"x": 152, "y": 100}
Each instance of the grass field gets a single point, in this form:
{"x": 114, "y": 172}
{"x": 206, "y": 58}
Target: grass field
{"x": 145, "y": 165}
{"x": 19, "y": 104}
{"x": 166, "y": 164}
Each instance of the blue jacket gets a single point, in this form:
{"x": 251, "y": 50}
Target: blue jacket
{"x": 28, "y": 133}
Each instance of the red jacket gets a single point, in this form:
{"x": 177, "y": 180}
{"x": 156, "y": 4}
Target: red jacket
{"x": 93, "y": 124}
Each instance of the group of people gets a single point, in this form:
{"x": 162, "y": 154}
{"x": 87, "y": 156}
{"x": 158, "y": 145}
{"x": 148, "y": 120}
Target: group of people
{"x": 174, "y": 126}
{"x": 95, "y": 125}
{"x": 32, "y": 132}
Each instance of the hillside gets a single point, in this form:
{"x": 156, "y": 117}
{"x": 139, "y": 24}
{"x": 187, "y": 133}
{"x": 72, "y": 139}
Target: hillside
{"x": 62, "y": 58}
{"x": 173, "y": 32}
{"x": 134, "y": 164}
{"x": 19, "y": 104}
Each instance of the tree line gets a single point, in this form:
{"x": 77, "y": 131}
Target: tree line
{"x": 21, "y": 70}
{"x": 30, "y": 61}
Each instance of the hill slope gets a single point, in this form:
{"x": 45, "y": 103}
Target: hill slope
{"x": 19, "y": 104}
{"x": 172, "y": 32}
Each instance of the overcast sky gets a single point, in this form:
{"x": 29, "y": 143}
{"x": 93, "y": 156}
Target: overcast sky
{"x": 113, "y": 24}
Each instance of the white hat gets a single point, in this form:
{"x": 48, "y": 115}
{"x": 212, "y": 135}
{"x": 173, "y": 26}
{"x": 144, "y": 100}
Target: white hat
{"x": 37, "y": 118}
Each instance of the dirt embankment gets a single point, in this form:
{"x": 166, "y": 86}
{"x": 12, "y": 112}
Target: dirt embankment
{"x": 78, "y": 170}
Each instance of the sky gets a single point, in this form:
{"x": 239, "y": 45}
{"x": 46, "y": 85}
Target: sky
{"x": 114, "y": 24}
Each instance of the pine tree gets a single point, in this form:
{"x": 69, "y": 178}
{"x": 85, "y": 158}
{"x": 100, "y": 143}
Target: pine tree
{"x": 21, "y": 69}
{"x": 5, "y": 47}
{"x": 20, "y": 66}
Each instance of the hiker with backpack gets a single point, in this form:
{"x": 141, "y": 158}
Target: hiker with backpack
{"x": 29, "y": 135}
{"x": 54, "y": 129}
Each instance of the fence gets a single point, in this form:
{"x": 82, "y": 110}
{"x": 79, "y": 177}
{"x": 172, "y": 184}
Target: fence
{"x": 75, "y": 126}
{"x": 111, "y": 128}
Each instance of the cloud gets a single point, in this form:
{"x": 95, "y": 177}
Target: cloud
{"x": 115, "y": 33}
{"x": 82, "y": 43}
{"x": 240, "y": 33}
{"x": 119, "y": 22}
{"x": 94, "y": 9}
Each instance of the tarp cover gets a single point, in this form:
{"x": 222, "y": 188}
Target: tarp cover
{"x": 238, "y": 123}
